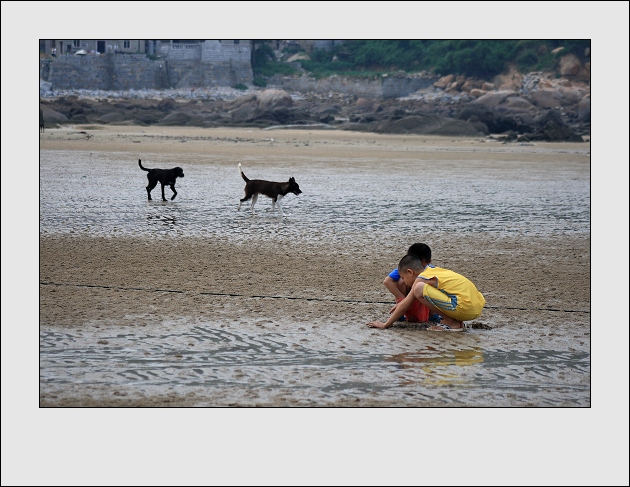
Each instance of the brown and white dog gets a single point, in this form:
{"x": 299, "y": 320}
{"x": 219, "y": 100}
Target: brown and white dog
{"x": 274, "y": 190}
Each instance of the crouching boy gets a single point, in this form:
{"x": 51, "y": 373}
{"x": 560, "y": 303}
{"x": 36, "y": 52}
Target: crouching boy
{"x": 417, "y": 313}
{"x": 454, "y": 297}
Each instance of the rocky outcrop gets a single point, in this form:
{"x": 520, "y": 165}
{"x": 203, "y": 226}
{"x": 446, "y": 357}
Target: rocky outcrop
{"x": 267, "y": 107}
{"x": 534, "y": 106}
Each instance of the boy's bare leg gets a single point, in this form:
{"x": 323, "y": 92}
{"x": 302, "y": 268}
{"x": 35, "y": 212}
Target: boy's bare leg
{"x": 397, "y": 288}
{"x": 446, "y": 320}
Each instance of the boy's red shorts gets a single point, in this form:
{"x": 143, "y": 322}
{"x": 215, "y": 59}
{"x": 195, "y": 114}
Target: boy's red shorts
{"x": 418, "y": 313}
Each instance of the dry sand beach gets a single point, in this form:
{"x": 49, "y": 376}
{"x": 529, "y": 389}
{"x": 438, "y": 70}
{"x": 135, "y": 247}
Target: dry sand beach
{"x": 191, "y": 303}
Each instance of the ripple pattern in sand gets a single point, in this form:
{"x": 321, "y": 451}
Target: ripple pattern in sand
{"x": 256, "y": 369}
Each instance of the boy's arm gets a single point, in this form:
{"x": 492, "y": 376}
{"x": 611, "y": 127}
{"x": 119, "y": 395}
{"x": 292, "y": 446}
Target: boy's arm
{"x": 392, "y": 287}
{"x": 399, "y": 310}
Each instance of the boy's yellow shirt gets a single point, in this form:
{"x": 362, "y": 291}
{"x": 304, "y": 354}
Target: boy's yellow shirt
{"x": 454, "y": 284}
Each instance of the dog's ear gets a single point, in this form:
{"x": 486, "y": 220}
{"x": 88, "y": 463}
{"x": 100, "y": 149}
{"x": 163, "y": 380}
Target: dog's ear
{"x": 292, "y": 180}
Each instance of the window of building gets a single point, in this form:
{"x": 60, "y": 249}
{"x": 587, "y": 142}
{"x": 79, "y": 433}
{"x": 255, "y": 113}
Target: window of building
{"x": 126, "y": 44}
{"x": 76, "y": 43}
{"x": 236, "y": 42}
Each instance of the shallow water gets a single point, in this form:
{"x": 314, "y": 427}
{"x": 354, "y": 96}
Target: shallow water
{"x": 92, "y": 196}
{"x": 276, "y": 359}
{"x": 250, "y": 367}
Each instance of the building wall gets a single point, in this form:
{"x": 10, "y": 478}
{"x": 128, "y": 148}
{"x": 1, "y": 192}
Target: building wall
{"x": 207, "y": 64}
{"x": 107, "y": 72}
{"x": 187, "y": 52}
{"x": 70, "y": 46}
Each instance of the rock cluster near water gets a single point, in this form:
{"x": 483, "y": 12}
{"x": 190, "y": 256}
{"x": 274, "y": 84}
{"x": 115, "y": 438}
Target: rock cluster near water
{"x": 521, "y": 107}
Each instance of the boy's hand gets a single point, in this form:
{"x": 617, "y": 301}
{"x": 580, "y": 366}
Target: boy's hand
{"x": 377, "y": 324}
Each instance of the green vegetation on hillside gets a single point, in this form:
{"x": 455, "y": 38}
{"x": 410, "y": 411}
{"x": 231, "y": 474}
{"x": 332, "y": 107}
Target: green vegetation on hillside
{"x": 474, "y": 58}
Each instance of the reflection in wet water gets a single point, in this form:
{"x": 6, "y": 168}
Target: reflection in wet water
{"x": 167, "y": 218}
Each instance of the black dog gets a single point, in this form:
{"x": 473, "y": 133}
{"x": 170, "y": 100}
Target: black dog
{"x": 164, "y": 176}
{"x": 275, "y": 191}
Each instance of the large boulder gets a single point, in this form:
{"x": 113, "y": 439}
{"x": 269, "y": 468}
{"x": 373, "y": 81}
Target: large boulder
{"x": 553, "y": 132}
{"x": 570, "y": 65}
{"x": 167, "y": 105}
{"x": 549, "y": 116}
{"x": 53, "y": 116}
{"x": 490, "y": 100}
{"x": 444, "y": 82}
{"x": 243, "y": 100}
{"x": 515, "y": 103}
{"x": 550, "y": 126}
{"x": 284, "y": 116}
{"x": 326, "y": 109}
{"x": 572, "y": 94}
{"x": 499, "y": 112}
{"x": 584, "y": 109}
{"x": 476, "y": 93}
{"x": 476, "y": 113}
{"x": 363, "y": 105}
{"x": 479, "y": 125}
{"x": 244, "y": 113}
{"x": 546, "y": 98}
{"x": 249, "y": 108}
{"x": 510, "y": 81}
{"x": 514, "y": 114}
{"x": 270, "y": 99}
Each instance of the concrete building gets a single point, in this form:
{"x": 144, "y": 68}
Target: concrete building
{"x": 145, "y": 63}
{"x": 91, "y": 46}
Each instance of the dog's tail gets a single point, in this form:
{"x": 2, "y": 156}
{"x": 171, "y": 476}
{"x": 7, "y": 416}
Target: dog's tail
{"x": 240, "y": 169}
{"x": 140, "y": 164}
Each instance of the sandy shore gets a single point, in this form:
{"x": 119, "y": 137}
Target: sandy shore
{"x": 316, "y": 295}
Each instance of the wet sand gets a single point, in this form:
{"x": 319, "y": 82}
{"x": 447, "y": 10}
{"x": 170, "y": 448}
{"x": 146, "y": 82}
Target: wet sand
{"x": 277, "y": 318}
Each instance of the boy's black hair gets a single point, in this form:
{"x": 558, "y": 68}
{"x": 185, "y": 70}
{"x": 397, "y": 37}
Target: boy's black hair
{"x": 410, "y": 261}
{"x": 422, "y": 250}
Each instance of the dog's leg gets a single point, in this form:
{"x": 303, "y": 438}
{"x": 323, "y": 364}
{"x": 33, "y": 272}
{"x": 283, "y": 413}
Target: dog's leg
{"x": 273, "y": 203}
{"x": 280, "y": 206}
{"x": 242, "y": 200}
{"x": 163, "y": 197}
{"x": 254, "y": 199}
{"x": 150, "y": 186}
{"x": 174, "y": 192}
